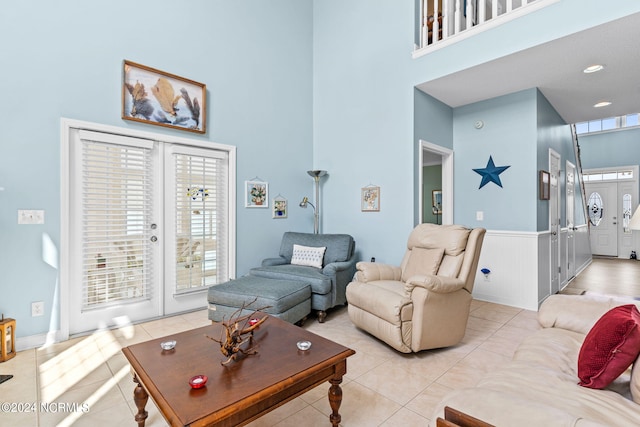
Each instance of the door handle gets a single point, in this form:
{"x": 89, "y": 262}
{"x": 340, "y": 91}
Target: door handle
{"x": 153, "y": 239}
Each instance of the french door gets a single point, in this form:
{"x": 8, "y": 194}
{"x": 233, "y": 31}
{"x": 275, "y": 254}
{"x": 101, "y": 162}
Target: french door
{"x": 148, "y": 227}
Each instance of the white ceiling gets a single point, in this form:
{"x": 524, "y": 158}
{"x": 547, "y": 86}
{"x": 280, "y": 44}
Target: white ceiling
{"x": 556, "y": 69}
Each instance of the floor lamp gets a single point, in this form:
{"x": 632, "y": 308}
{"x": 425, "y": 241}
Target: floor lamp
{"x": 315, "y": 174}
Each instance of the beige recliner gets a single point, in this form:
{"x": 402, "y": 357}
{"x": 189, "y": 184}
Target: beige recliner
{"x": 424, "y": 303}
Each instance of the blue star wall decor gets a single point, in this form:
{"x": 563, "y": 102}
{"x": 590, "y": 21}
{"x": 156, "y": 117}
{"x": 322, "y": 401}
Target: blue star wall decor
{"x": 491, "y": 173}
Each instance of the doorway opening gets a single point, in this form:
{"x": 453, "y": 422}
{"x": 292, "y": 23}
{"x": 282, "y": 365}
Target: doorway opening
{"x": 435, "y": 178}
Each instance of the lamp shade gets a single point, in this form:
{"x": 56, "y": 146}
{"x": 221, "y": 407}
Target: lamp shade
{"x": 634, "y": 224}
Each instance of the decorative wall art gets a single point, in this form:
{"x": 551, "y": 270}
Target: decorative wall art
{"x": 280, "y": 207}
{"x": 436, "y": 202}
{"x": 370, "y": 199}
{"x": 256, "y": 194}
{"x": 545, "y": 185}
{"x": 158, "y": 98}
{"x": 491, "y": 173}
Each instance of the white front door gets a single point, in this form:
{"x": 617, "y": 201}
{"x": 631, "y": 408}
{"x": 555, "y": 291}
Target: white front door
{"x": 114, "y": 230}
{"x": 603, "y": 217}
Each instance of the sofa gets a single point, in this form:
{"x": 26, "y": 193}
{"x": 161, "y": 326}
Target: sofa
{"x": 539, "y": 387}
{"x": 424, "y": 302}
{"x": 328, "y": 274}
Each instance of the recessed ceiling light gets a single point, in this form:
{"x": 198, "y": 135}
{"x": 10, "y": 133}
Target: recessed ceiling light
{"x": 602, "y": 104}
{"x": 593, "y": 68}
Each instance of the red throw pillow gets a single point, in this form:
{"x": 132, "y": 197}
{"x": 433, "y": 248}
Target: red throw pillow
{"x": 610, "y": 347}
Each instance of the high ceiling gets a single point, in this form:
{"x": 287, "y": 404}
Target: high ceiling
{"x": 556, "y": 69}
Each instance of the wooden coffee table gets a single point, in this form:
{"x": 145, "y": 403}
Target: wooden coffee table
{"x": 242, "y": 390}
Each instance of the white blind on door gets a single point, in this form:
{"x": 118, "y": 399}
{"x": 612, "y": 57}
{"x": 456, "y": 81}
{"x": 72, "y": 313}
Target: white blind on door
{"x": 201, "y": 218}
{"x": 116, "y": 207}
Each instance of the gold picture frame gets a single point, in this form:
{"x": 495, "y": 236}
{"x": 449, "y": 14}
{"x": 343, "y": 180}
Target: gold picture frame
{"x": 162, "y": 99}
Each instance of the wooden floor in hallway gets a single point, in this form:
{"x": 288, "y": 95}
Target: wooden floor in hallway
{"x": 609, "y": 276}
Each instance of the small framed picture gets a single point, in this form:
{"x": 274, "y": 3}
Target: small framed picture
{"x": 256, "y": 194}
{"x": 280, "y": 207}
{"x": 162, "y": 99}
{"x": 436, "y": 202}
{"x": 544, "y": 184}
{"x": 370, "y": 199}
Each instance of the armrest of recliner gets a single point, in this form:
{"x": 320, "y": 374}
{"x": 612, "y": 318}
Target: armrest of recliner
{"x": 439, "y": 284}
{"x": 273, "y": 261}
{"x": 370, "y": 271}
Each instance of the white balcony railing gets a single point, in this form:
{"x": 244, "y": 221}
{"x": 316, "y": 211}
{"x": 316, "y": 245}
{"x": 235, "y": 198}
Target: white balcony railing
{"x": 443, "y": 19}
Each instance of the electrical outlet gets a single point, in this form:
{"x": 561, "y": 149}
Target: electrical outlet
{"x": 37, "y": 309}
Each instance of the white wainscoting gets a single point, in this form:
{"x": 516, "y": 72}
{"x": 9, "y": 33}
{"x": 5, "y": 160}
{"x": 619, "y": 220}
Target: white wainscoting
{"x": 513, "y": 259}
{"x": 521, "y": 267}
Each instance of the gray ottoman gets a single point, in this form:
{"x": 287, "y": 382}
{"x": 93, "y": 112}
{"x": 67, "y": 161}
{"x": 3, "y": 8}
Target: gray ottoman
{"x": 289, "y": 300}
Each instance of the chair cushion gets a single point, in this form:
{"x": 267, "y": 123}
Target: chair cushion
{"x": 320, "y": 284}
{"x": 385, "y": 298}
{"x": 453, "y": 238}
{"x": 339, "y": 246}
{"x": 307, "y": 255}
{"x": 277, "y": 295}
{"x": 451, "y": 265}
{"x": 422, "y": 262}
{"x": 610, "y": 347}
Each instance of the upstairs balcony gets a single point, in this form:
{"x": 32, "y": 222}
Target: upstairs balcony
{"x": 442, "y": 22}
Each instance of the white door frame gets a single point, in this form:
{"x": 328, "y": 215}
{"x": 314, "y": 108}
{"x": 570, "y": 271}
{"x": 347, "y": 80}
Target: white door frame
{"x": 570, "y": 195}
{"x": 554, "y": 223}
{"x": 447, "y": 180}
{"x": 625, "y": 243}
{"x": 65, "y": 227}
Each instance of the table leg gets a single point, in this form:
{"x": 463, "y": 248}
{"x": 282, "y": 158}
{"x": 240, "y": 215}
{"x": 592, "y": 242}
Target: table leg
{"x": 335, "y": 400}
{"x": 140, "y": 397}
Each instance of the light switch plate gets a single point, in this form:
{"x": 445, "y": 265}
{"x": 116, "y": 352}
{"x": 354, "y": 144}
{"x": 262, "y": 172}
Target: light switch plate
{"x": 30, "y": 217}
{"x": 479, "y": 216}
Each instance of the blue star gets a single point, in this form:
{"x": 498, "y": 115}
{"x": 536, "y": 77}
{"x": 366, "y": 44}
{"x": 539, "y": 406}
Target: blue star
{"x": 491, "y": 173}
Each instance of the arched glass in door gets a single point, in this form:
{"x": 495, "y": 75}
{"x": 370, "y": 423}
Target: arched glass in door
{"x": 596, "y": 208}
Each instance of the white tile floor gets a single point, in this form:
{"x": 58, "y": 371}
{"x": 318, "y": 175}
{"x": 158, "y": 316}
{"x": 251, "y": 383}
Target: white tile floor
{"x": 382, "y": 387}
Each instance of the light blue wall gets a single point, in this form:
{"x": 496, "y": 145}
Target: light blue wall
{"x": 554, "y": 133}
{"x": 363, "y": 119}
{"x": 64, "y": 59}
{"x": 610, "y": 149}
{"x": 509, "y": 137}
{"x": 433, "y": 123}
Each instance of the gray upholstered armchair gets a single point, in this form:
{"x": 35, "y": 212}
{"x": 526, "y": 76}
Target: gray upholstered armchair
{"x": 423, "y": 303}
{"x": 328, "y": 279}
